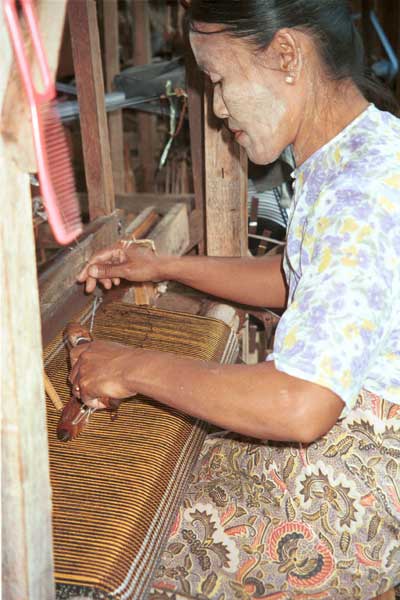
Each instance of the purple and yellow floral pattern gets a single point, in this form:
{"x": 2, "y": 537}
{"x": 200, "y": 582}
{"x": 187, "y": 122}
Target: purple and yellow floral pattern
{"x": 342, "y": 328}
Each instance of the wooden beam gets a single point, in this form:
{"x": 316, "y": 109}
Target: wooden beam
{"x": 27, "y": 559}
{"x": 171, "y": 234}
{"x": 225, "y": 188}
{"x": 111, "y": 69}
{"x": 142, "y": 56}
{"x": 60, "y": 277}
{"x": 142, "y": 224}
{"x": 90, "y": 86}
{"x": 195, "y": 91}
{"x": 162, "y": 202}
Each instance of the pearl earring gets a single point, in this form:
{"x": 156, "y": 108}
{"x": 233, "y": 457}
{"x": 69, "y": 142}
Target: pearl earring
{"x": 289, "y": 79}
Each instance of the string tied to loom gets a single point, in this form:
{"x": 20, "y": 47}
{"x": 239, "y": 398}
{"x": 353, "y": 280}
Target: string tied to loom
{"x": 98, "y": 299}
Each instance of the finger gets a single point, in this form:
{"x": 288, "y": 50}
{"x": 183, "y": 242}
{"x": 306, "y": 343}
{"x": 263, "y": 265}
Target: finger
{"x": 116, "y": 280}
{"x": 92, "y": 402}
{"x": 74, "y": 375}
{"x": 108, "y": 254}
{"x": 91, "y": 283}
{"x": 76, "y": 352}
{"x": 106, "y": 283}
{"x": 107, "y": 271}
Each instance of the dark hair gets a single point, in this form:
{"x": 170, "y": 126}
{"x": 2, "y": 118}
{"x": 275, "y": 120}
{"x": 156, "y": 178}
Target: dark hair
{"x": 328, "y": 21}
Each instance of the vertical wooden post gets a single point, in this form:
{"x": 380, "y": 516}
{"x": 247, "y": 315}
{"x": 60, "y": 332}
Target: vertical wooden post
{"x": 84, "y": 29}
{"x": 225, "y": 188}
{"x": 195, "y": 91}
{"x": 27, "y": 560}
{"x": 142, "y": 55}
{"x": 111, "y": 68}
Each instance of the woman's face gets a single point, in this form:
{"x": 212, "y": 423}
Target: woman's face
{"x": 250, "y": 92}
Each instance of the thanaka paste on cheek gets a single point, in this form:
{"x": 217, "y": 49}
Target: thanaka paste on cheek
{"x": 249, "y": 95}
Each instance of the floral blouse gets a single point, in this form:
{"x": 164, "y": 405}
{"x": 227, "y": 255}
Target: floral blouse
{"x": 341, "y": 328}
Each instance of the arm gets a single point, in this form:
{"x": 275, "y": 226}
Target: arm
{"x": 255, "y": 400}
{"x": 253, "y": 281}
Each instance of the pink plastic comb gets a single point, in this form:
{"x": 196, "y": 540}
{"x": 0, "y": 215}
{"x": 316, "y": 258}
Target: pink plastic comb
{"x": 53, "y": 161}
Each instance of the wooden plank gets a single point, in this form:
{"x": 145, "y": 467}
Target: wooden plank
{"x": 162, "y": 202}
{"x": 142, "y": 55}
{"x": 195, "y": 91}
{"x": 73, "y": 303}
{"x": 225, "y": 188}
{"x": 27, "y": 560}
{"x": 60, "y": 277}
{"x": 111, "y": 69}
{"x": 196, "y": 228}
{"x": 90, "y": 86}
{"x": 142, "y": 224}
{"x": 171, "y": 234}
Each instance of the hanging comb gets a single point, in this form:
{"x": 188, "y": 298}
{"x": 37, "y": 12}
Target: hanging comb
{"x": 53, "y": 162}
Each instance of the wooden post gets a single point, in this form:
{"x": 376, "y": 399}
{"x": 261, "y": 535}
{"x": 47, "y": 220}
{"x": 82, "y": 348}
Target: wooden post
{"x": 142, "y": 56}
{"x": 225, "y": 188}
{"x": 195, "y": 91}
{"x": 111, "y": 68}
{"x": 27, "y": 561}
{"x": 84, "y": 29}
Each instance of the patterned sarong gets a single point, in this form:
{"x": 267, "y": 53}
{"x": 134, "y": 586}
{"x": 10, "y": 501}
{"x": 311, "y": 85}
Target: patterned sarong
{"x": 285, "y": 522}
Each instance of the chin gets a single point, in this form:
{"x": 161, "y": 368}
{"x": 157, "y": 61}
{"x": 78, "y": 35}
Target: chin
{"x": 263, "y": 158}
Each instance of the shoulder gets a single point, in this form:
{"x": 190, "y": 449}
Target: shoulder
{"x": 366, "y": 177}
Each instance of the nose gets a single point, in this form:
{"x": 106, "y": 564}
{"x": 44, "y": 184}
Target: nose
{"x": 219, "y": 106}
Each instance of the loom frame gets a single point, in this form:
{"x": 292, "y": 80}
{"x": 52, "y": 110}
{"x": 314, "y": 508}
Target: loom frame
{"x": 27, "y": 535}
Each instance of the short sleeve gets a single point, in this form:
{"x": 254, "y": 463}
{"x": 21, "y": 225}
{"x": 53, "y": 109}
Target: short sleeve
{"x": 337, "y": 320}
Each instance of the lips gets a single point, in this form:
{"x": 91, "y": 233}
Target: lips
{"x": 237, "y": 133}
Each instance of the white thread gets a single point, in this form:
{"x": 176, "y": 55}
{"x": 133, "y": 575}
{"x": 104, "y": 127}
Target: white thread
{"x": 96, "y": 304}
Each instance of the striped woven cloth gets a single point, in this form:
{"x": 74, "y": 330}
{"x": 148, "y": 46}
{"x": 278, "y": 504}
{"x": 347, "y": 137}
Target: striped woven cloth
{"x": 116, "y": 488}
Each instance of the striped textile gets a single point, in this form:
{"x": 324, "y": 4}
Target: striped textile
{"x": 116, "y": 488}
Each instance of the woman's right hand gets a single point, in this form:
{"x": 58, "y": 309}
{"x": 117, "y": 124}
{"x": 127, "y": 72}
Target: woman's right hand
{"x": 121, "y": 261}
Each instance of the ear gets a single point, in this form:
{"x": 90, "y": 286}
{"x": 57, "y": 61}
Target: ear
{"x": 288, "y": 50}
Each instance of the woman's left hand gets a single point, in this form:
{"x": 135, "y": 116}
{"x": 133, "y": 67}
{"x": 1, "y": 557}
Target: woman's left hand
{"x": 99, "y": 370}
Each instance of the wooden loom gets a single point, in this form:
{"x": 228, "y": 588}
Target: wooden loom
{"x": 116, "y": 488}
{"x": 28, "y": 538}
{"x": 216, "y": 222}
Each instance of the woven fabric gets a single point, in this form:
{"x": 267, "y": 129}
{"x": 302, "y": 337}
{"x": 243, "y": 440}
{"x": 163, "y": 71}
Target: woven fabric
{"x": 283, "y": 521}
{"x": 116, "y": 488}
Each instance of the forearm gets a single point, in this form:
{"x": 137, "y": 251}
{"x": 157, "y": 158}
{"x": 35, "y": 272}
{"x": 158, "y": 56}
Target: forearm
{"x": 252, "y": 281}
{"x": 254, "y": 400}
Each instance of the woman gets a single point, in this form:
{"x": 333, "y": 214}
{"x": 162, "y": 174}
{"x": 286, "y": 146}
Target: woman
{"x": 318, "y": 514}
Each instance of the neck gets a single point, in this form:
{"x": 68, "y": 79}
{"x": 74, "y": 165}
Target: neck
{"x": 327, "y": 115}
